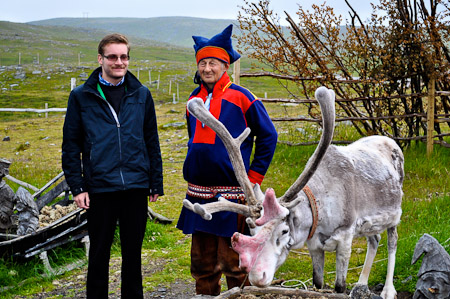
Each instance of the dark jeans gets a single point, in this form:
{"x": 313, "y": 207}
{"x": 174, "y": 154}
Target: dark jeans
{"x": 128, "y": 209}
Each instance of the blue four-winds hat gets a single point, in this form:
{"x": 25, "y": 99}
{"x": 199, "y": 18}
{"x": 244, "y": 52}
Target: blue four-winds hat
{"x": 219, "y": 46}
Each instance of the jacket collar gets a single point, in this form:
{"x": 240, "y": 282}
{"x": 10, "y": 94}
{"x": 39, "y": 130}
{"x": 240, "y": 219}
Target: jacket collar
{"x": 131, "y": 81}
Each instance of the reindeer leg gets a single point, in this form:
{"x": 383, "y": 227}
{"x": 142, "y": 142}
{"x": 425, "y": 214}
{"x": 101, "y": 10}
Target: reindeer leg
{"x": 343, "y": 253}
{"x": 318, "y": 261}
{"x": 372, "y": 246}
{"x": 389, "y": 289}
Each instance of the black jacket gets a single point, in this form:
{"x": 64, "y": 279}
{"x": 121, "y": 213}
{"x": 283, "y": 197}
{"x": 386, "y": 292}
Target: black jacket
{"x": 116, "y": 155}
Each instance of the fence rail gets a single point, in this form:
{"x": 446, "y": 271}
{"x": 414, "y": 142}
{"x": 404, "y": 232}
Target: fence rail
{"x": 429, "y": 116}
{"x": 33, "y": 110}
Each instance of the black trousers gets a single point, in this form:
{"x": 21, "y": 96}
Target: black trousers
{"x": 129, "y": 209}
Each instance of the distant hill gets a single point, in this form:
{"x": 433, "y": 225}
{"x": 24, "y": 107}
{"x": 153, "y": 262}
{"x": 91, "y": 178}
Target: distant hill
{"x": 65, "y": 44}
{"x": 176, "y": 31}
{"x": 27, "y": 32}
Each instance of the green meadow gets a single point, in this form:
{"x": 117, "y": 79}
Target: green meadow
{"x": 35, "y": 152}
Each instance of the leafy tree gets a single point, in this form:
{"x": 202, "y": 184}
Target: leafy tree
{"x": 386, "y": 62}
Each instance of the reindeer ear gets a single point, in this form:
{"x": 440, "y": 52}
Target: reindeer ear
{"x": 272, "y": 209}
{"x": 258, "y": 193}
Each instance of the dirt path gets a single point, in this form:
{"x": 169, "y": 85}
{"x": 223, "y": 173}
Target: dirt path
{"x": 73, "y": 284}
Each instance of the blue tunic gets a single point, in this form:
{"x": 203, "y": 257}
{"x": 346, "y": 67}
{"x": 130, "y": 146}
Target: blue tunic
{"x": 207, "y": 162}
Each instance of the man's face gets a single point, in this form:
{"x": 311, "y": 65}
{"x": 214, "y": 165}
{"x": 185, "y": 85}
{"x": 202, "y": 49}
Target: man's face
{"x": 211, "y": 70}
{"x": 114, "y": 62}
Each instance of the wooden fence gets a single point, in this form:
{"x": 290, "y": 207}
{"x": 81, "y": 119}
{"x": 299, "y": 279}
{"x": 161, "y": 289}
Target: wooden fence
{"x": 430, "y": 115}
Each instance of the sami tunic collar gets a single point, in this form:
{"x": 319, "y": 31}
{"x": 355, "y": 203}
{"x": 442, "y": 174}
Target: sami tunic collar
{"x": 221, "y": 85}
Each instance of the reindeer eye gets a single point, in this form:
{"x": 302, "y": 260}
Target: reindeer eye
{"x": 284, "y": 231}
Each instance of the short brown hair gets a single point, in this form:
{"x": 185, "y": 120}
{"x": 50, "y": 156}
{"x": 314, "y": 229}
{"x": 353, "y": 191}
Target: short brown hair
{"x": 114, "y": 38}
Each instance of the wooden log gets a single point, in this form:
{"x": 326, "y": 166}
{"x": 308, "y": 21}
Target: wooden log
{"x": 18, "y": 246}
{"x": 52, "y": 194}
{"x": 236, "y": 292}
{"x": 51, "y": 182}
{"x": 47, "y": 228}
{"x": 72, "y": 233}
{"x": 23, "y": 184}
{"x": 430, "y": 115}
{"x": 33, "y": 110}
{"x": 153, "y": 215}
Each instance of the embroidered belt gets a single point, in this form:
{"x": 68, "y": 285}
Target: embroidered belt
{"x": 231, "y": 192}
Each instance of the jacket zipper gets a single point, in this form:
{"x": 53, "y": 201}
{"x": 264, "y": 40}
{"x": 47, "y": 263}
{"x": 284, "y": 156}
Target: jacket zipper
{"x": 116, "y": 118}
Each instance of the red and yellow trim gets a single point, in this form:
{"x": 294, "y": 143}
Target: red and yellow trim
{"x": 212, "y": 52}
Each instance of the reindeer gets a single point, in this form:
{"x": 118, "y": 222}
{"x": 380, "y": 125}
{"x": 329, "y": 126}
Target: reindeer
{"x": 343, "y": 192}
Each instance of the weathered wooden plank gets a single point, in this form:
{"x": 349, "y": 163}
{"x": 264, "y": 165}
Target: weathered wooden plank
{"x": 236, "y": 292}
{"x": 52, "y": 194}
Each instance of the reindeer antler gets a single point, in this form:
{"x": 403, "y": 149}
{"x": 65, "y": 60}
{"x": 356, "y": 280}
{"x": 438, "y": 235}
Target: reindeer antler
{"x": 207, "y": 209}
{"x": 197, "y": 108}
{"x": 326, "y": 98}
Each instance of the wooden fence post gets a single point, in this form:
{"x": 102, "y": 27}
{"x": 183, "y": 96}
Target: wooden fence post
{"x": 430, "y": 115}
{"x": 46, "y": 107}
{"x": 237, "y": 71}
{"x": 73, "y": 83}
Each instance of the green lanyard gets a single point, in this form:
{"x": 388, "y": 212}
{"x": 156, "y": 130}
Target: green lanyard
{"x": 101, "y": 91}
{"x": 116, "y": 118}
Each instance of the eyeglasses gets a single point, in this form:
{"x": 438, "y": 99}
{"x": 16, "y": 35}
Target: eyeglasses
{"x": 114, "y": 57}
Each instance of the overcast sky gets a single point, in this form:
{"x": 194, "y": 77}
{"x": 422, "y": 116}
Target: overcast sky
{"x": 23, "y": 11}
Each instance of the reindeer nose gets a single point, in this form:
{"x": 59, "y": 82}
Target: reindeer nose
{"x": 261, "y": 282}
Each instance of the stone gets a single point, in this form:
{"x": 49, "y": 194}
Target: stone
{"x": 28, "y": 212}
{"x": 7, "y": 197}
{"x": 434, "y": 272}
{"x": 174, "y": 125}
{"x": 7, "y": 201}
{"x": 361, "y": 291}
{"x": 20, "y": 76}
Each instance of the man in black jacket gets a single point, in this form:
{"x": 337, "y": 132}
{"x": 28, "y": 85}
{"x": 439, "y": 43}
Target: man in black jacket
{"x": 111, "y": 124}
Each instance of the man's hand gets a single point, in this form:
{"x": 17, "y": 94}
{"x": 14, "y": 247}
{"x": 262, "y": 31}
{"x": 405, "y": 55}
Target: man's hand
{"x": 153, "y": 197}
{"x": 82, "y": 200}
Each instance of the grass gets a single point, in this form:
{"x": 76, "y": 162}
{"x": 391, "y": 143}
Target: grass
{"x": 35, "y": 150}
{"x": 425, "y": 208}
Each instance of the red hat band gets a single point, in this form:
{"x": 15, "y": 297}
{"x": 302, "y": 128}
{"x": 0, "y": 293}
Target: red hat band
{"x": 212, "y": 52}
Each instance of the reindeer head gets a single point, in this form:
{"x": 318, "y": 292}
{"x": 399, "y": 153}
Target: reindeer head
{"x": 262, "y": 253}
{"x": 270, "y": 240}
